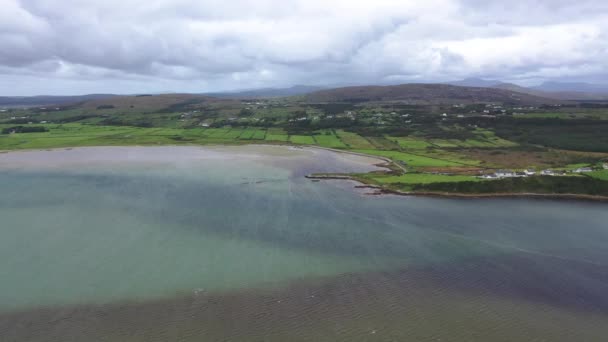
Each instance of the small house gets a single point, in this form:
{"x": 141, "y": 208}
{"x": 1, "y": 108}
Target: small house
{"x": 547, "y": 173}
{"x": 530, "y": 172}
{"x": 583, "y": 169}
{"x": 505, "y": 173}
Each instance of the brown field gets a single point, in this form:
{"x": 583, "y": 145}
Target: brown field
{"x": 523, "y": 159}
{"x": 151, "y": 103}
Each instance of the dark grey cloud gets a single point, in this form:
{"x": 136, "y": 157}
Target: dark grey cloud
{"x": 77, "y": 46}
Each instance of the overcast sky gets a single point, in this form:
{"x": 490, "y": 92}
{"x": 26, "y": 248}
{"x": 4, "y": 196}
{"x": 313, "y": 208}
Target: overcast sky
{"x": 139, "y": 46}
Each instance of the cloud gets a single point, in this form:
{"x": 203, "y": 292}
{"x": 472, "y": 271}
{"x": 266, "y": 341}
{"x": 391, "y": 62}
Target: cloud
{"x": 187, "y": 45}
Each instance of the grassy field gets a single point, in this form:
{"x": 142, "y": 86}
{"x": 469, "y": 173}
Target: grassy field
{"x": 412, "y": 159}
{"x": 353, "y": 140}
{"x": 302, "y": 139}
{"x": 328, "y": 139}
{"x": 382, "y": 143}
{"x": 483, "y": 139}
{"x": 408, "y": 143}
{"x": 276, "y": 134}
{"x": 421, "y": 178}
{"x": 603, "y": 174}
{"x": 247, "y": 134}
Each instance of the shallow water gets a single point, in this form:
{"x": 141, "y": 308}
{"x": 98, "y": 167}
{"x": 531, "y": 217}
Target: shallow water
{"x": 186, "y": 243}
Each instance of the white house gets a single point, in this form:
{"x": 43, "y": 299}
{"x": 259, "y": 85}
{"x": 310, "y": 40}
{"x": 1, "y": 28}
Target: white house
{"x": 504, "y": 173}
{"x": 547, "y": 173}
{"x": 530, "y": 172}
{"x": 583, "y": 169}
{"x": 605, "y": 166}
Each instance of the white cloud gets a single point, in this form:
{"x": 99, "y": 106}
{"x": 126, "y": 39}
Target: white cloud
{"x": 188, "y": 45}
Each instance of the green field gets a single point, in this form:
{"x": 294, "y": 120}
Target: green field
{"x": 259, "y": 135}
{"x": 216, "y": 132}
{"x": 328, "y": 139}
{"x": 382, "y": 143}
{"x": 247, "y": 134}
{"x": 411, "y": 143}
{"x": 354, "y": 140}
{"x": 422, "y": 178}
{"x": 233, "y": 134}
{"x": 603, "y": 174}
{"x": 411, "y": 159}
{"x": 276, "y": 134}
{"x": 277, "y": 137}
{"x": 302, "y": 139}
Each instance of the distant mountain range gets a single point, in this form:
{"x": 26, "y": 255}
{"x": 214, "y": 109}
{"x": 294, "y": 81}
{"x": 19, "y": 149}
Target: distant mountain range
{"x": 268, "y": 92}
{"x": 555, "y": 90}
{"x": 464, "y": 91}
{"x": 572, "y": 87}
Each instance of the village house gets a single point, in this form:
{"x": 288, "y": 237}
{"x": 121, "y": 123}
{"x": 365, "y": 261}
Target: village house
{"x": 504, "y": 173}
{"x": 530, "y": 172}
{"x": 547, "y": 173}
{"x": 583, "y": 169}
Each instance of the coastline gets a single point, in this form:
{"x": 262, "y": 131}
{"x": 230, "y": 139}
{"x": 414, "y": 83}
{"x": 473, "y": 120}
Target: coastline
{"x": 380, "y": 191}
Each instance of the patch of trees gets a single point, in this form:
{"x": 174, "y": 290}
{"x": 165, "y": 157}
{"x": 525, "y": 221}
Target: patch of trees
{"x": 361, "y": 99}
{"x": 374, "y": 131}
{"x": 333, "y": 108}
{"x": 245, "y": 112}
{"x": 436, "y": 132}
{"x": 105, "y": 107}
{"x": 544, "y": 185}
{"x": 75, "y": 118}
{"x": 20, "y": 121}
{"x": 593, "y": 105}
{"x": 308, "y": 126}
{"x": 113, "y": 121}
{"x": 24, "y": 129}
{"x": 568, "y": 134}
{"x": 181, "y": 106}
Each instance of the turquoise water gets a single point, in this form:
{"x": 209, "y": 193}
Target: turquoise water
{"x": 148, "y": 230}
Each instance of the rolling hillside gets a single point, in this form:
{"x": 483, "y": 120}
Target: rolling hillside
{"x": 45, "y": 100}
{"x": 149, "y": 102}
{"x": 426, "y": 94}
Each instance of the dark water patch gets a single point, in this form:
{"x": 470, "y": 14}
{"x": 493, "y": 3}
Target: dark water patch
{"x": 519, "y": 298}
